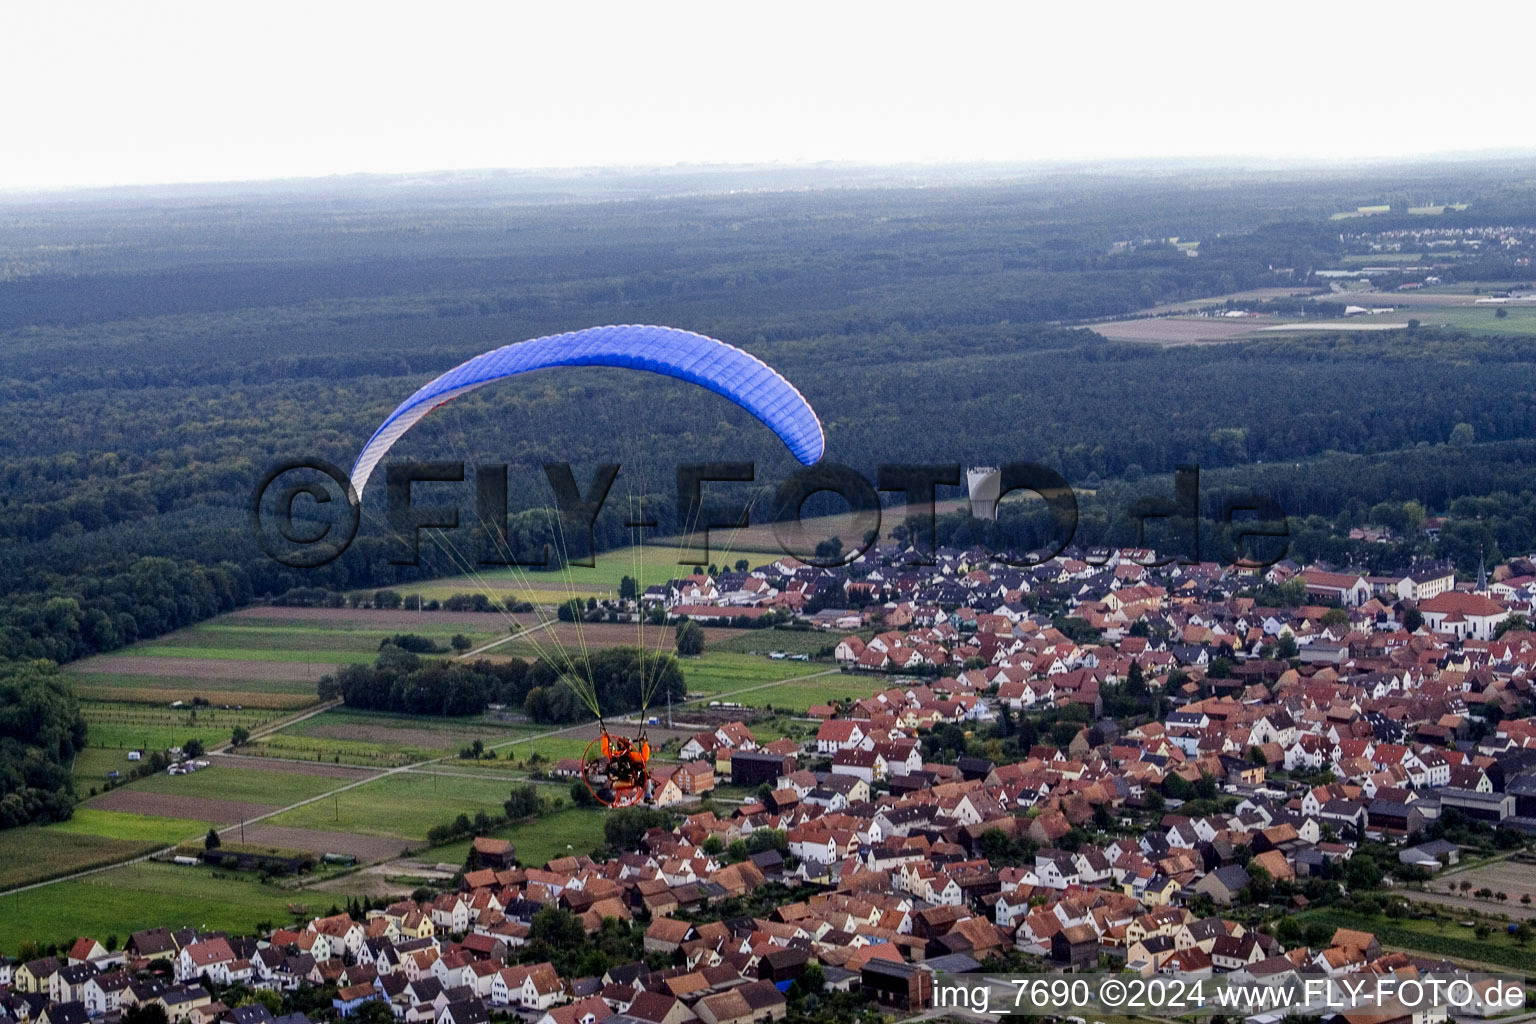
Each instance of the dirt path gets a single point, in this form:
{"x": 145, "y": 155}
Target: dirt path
{"x": 282, "y": 723}
{"x": 505, "y": 640}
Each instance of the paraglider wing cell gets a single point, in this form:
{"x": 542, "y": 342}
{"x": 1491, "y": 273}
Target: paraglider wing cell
{"x": 684, "y": 355}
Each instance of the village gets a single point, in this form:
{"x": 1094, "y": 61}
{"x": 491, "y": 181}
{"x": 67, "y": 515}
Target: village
{"x": 1086, "y": 764}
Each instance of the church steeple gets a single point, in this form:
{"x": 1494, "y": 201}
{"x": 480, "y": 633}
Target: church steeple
{"x": 1482, "y": 573}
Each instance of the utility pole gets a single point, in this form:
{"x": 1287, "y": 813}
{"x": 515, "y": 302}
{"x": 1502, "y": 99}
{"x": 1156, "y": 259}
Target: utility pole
{"x": 669, "y": 709}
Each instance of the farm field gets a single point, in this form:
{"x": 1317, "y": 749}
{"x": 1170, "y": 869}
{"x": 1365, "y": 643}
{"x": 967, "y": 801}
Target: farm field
{"x": 135, "y": 827}
{"x": 1181, "y": 330}
{"x": 749, "y": 641}
{"x": 1518, "y": 319}
{"x": 125, "y": 726}
{"x": 153, "y": 687}
{"x": 251, "y": 637}
{"x": 402, "y": 805}
{"x": 797, "y": 696}
{"x": 655, "y": 563}
{"x": 1506, "y": 876}
{"x": 379, "y": 739}
{"x": 722, "y": 672}
{"x": 136, "y": 896}
{"x": 251, "y": 785}
{"x": 261, "y": 657}
{"x": 36, "y": 853}
{"x": 204, "y": 809}
{"x": 569, "y": 639}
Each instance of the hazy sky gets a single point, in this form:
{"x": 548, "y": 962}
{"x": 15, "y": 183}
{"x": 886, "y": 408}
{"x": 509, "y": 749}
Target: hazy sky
{"x": 104, "y": 93}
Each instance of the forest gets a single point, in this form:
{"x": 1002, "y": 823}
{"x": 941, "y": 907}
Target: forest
{"x": 41, "y": 731}
{"x": 402, "y": 682}
{"x": 160, "y": 349}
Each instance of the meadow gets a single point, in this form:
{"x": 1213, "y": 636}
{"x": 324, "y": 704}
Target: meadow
{"x": 37, "y": 853}
{"x": 145, "y": 895}
{"x": 402, "y": 805}
{"x": 717, "y": 672}
{"x": 277, "y": 694}
{"x": 798, "y": 696}
{"x": 251, "y": 785}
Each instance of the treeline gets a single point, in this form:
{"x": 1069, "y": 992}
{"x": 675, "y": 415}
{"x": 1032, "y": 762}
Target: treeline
{"x": 1476, "y": 489}
{"x": 86, "y": 614}
{"x": 406, "y": 683}
{"x": 41, "y": 731}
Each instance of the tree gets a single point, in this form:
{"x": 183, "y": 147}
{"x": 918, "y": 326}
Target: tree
{"x": 239, "y": 736}
{"x": 273, "y": 1001}
{"x": 624, "y": 827}
{"x": 629, "y": 588}
{"x": 146, "y": 1013}
{"x": 829, "y": 551}
{"x": 522, "y": 802}
{"x": 1516, "y": 622}
{"x": 1463, "y": 435}
{"x": 1286, "y": 648}
{"x": 1362, "y": 872}
{"x": 211, "y": 841}
{"x": 460, "y": 642}
{"x": 1500, "y": 313}
{"x": 372, "y": 1011}
{"x": 1260, "y": 883}
{"x": 1413, "y": 620}
{"x": 690, "y": 638}
{"x": 193, "y": 747}
{"x": 1335, "y": 617}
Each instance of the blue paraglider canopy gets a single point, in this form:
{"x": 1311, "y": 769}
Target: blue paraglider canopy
{"x": 723, "y": 369}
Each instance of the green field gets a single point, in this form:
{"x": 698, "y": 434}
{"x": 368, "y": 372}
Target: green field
{"x": 385, "y": 740}
{"x": 722, "y": 672}
{"x": 543, "y": 839}
{"x": 137, "y": 896}
{"x": 404, "y": 805}
{"x": 142, "y": 828}
{"x": 1438, "y": 938}
{"x": 35, "y": 854}
{"x": 795, "y": 641}
{"x": 362, "y": 753}
{"x": 248, "y": 785}
{"x": 92, "y": 765}
{"x": 1521, "y": 319}
{"x": 159, "y": 650}
{"x": 125, "y": 726}
{"x": 652, "y": 564}
{"x": 797, "y": 696}
{"x": 163, "y": 689}
{"x": 247, "y": 638}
